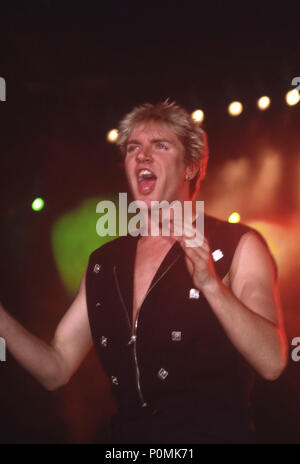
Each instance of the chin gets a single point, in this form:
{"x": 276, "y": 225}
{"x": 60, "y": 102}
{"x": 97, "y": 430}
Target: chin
{"x": 146, "y": 200}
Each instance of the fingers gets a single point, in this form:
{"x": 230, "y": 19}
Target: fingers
{"x": 187, "y": 233}
{"x": 198, "y": 243}
{"x": 196, "y": 253}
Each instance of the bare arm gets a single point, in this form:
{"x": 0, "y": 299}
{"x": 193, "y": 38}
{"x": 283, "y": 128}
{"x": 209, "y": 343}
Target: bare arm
{"x": 250, "y": 310}
{"x": 52, "y": 365}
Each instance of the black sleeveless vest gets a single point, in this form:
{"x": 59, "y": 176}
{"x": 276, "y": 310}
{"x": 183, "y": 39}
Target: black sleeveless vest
{"x": 176, "y": 376}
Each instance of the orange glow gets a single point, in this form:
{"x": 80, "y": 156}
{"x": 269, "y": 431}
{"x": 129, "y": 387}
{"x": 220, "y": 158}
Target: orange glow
{"x": 282, "y": 237}
{"x": 268, "y": 176}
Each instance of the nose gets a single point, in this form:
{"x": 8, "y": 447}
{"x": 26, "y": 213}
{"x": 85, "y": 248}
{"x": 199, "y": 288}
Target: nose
{"x": 144, "y": 154}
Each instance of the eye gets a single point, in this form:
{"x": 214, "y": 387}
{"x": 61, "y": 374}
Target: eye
{"x": 132, "y": 148}
{"x": 161, "y": 146}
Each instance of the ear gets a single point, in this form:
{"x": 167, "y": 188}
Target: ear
{"x": 191, "y": 171}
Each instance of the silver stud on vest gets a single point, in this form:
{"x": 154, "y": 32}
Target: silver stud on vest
{"x": 114, "y": 380}
{"x": 103, "y": 341}
{"x": 97, "y": 268}
{"x": 176, "y": 336}
{"x": 217, "y": 254}
{"x": 162, "y": 374}
{"x": 194, "y": 294}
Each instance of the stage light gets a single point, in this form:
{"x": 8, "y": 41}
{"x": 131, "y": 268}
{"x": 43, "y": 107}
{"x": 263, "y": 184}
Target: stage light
{"x": 235, "y": 108}
{"x": 263, "y": 103}
{"x": 112, "y": 135}
{"x": 37, "y": 204}
{"x": 198, "y": 115}
{"x": 234, "y": 218}
{"x": 292, "y": 97}
{"x": 74, "y": 237}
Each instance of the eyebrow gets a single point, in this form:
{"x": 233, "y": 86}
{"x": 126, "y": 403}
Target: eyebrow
{"x": 137, "y": 142}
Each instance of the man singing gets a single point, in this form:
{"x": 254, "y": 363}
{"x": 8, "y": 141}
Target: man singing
{"x": 180, "y": 330}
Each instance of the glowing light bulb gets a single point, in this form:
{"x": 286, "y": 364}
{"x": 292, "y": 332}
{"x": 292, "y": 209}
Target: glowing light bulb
{"x": 234, "y": 218}
{"x": 292, "y": 97}
{"x": 37, "y": 204}
{"x": 263, "y": 103}
{"x": 198, "y": 115}
{"x": 112, "y": 135}
{"x": 235, "y": 108}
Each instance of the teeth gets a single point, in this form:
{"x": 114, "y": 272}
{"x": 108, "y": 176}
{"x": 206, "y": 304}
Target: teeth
{"x": 145, "y": 172}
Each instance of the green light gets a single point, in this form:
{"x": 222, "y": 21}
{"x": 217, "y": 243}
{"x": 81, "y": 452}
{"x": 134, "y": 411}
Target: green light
{"x": 37, "y": 204}
{"x": 74, "y": 237}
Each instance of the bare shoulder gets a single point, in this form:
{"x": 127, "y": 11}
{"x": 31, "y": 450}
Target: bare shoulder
{"x": 253, "y": 277}
{"x": 252, "y": 255}
{"x": 75, "y": 320}
{"x": 73, "y": 337}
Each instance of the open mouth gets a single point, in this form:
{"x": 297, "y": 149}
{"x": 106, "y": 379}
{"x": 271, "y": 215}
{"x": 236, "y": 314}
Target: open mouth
{"x": 146, "y": 181}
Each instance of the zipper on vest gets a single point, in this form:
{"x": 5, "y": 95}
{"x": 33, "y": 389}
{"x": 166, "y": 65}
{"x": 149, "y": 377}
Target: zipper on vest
{"x": 132, "y": 340}
{"x": 134, "y": 335}
{"x": 121, "y": 298}
{"x": 137, "y": 370}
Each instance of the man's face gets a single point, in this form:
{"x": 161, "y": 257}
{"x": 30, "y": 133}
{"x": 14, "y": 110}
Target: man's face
{"x": 154, "y": 164}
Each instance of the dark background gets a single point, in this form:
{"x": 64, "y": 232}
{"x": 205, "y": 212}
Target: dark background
{"x": 72, "y": 70}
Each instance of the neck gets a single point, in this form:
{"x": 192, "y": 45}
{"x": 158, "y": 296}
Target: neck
{"x": 168, "y": 221}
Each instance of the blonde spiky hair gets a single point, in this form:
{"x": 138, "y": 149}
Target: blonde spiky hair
{"x": 191, "y": 135}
